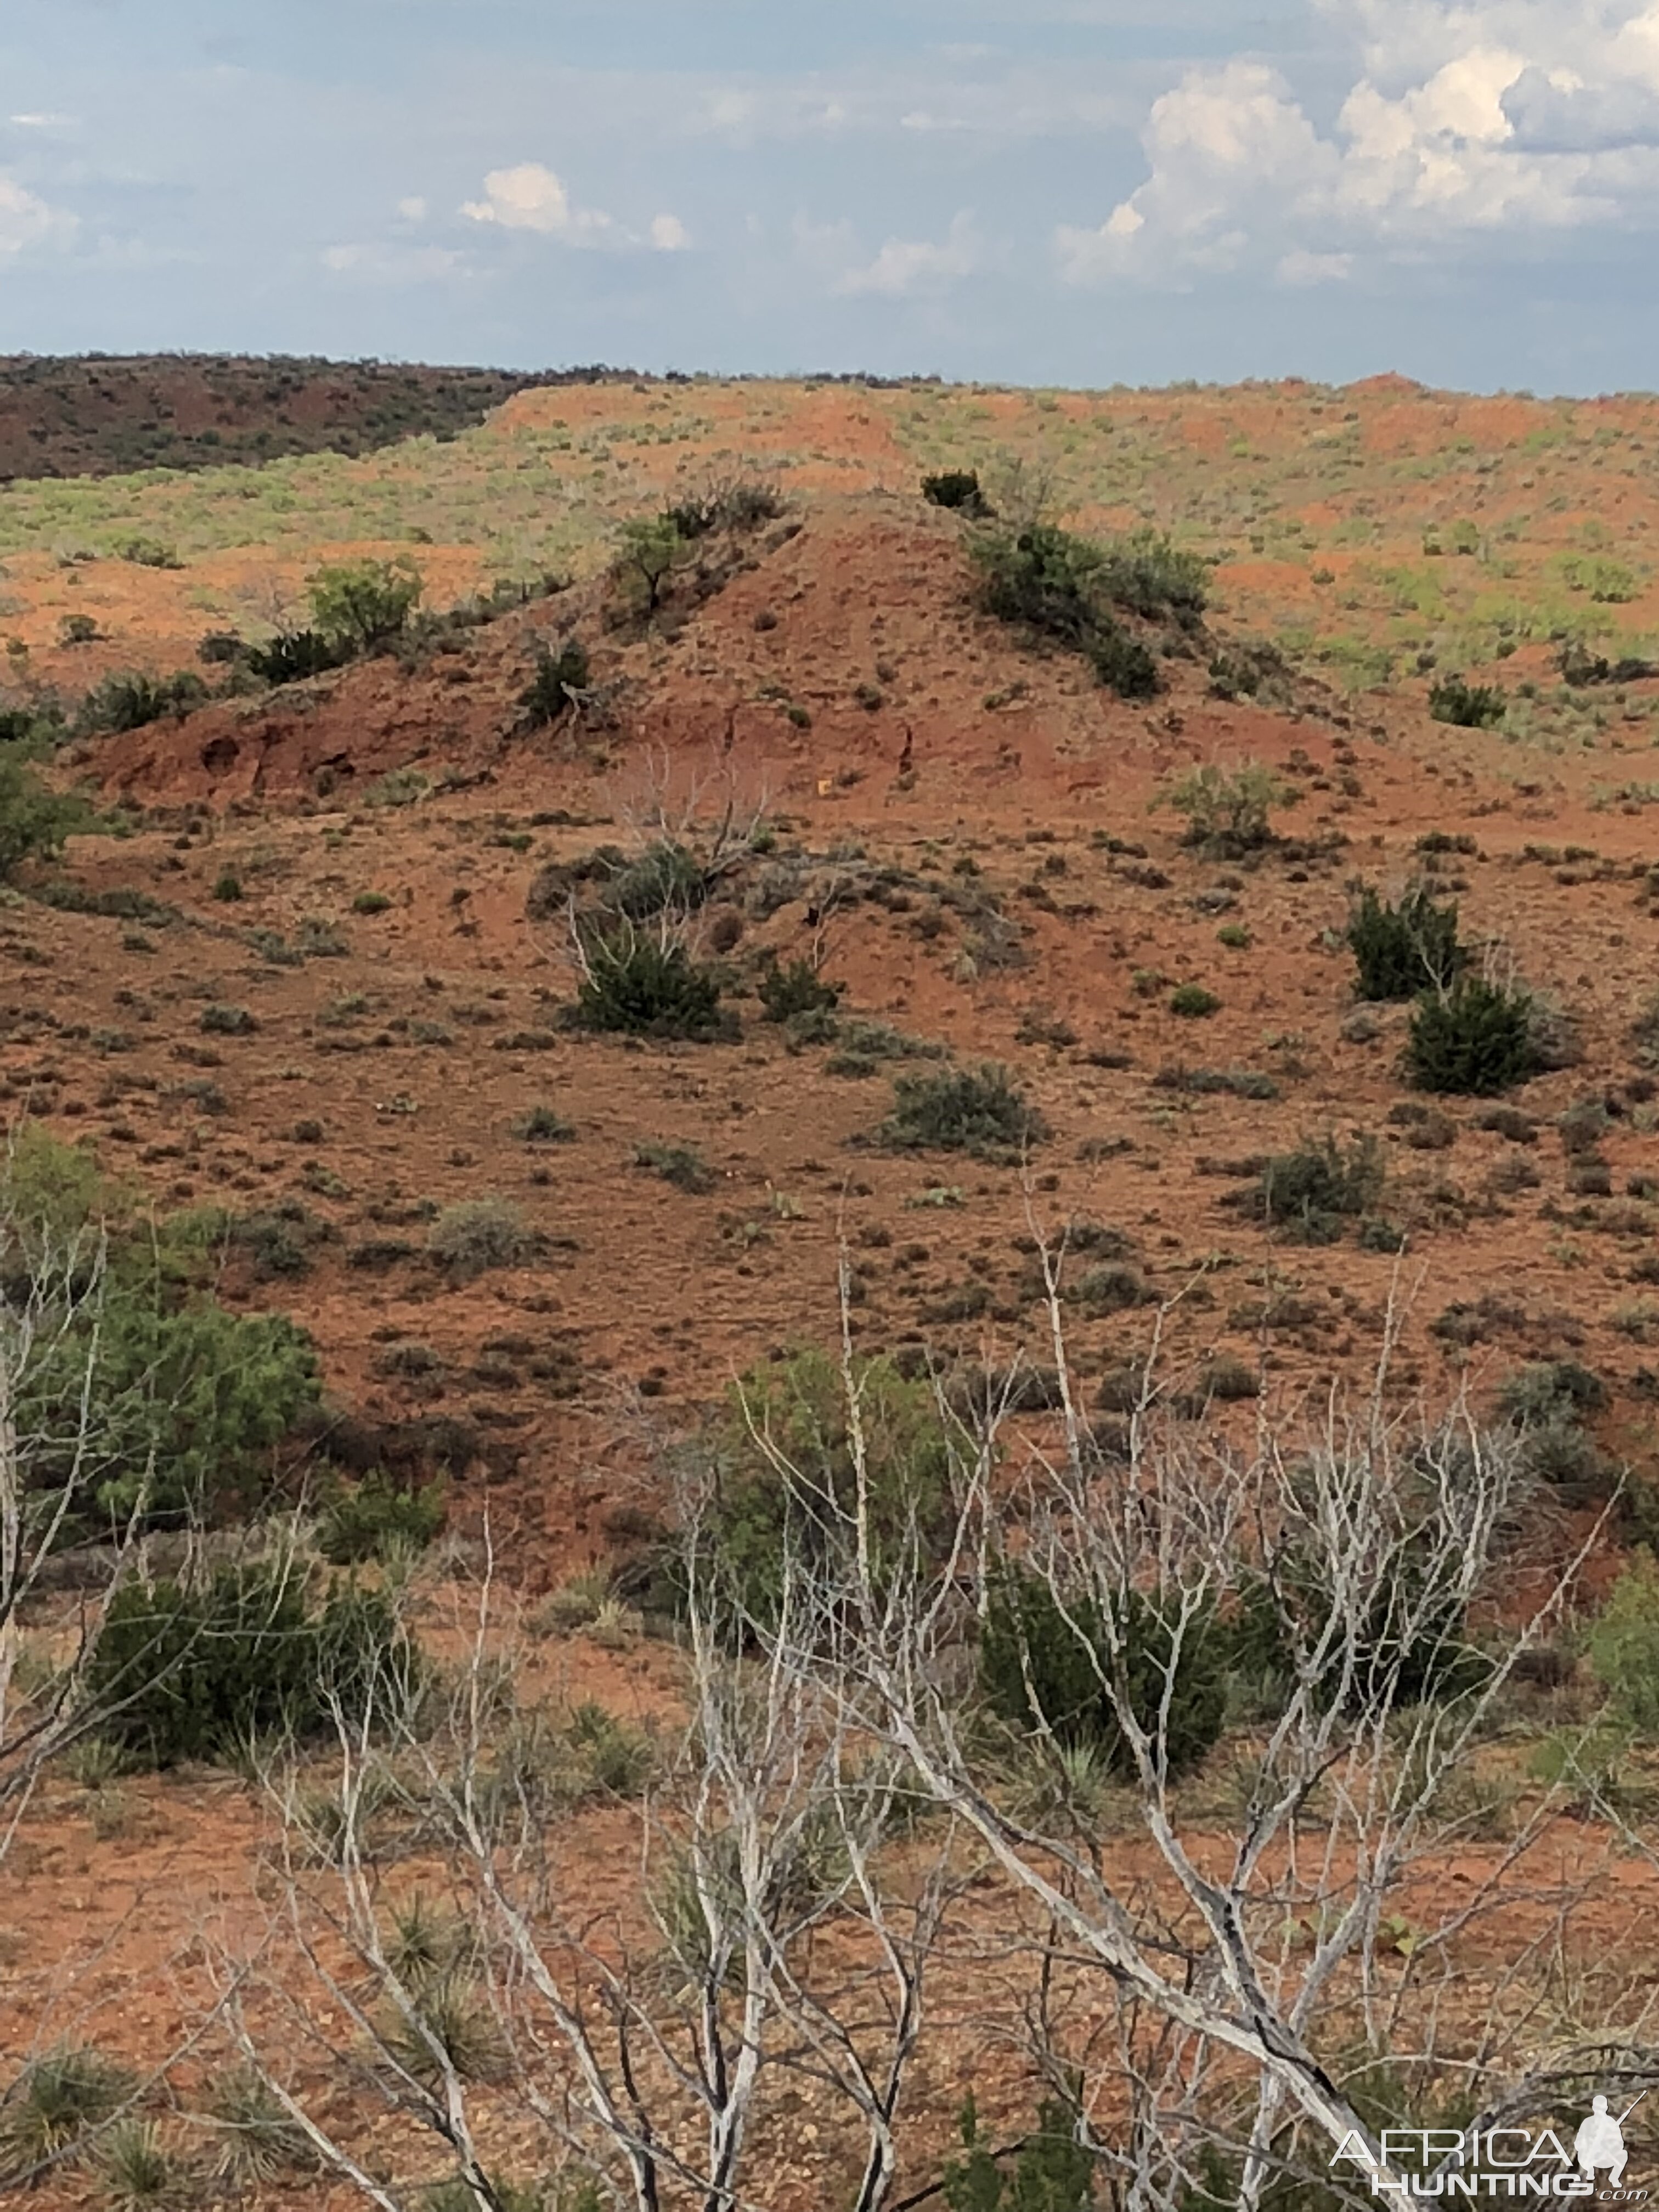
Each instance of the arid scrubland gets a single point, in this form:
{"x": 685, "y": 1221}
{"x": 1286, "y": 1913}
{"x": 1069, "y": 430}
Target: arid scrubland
{"x": 827, "y": 1277}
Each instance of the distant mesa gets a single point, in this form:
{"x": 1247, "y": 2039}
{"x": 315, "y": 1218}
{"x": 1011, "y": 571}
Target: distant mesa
{"x": 99, "y": 415}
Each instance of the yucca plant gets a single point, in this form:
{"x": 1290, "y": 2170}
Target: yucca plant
{"x": 428, "y": 1943}
{"x": 138, "y": 2168}
{"x": 1068, "y": 1779}
{"x": 451, "y": 2016}
{"x": 59, "y": 2100}
{"x": 258, "y": 2141}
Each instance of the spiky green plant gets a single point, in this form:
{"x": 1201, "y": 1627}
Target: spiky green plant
{"x": 59, "y": 2100}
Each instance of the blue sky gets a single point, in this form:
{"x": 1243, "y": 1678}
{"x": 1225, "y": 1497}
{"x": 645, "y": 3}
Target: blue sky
{"x": 1046, "y": 191}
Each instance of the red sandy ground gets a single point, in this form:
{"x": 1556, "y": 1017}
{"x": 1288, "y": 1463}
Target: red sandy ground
{"x": 650, "y": 1290}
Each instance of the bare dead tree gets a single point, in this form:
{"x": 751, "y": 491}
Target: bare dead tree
{"x": 1195, "y": 1978}
{"x": 51, "y": 1290}
{"x": 710, "y": 810}
{"x": 1364, "y": 1534}
{"x": 596, "y": 942}
{"x": 645, "y": 2041}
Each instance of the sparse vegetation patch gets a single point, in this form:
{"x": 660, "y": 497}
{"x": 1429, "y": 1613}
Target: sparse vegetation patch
{"x": 979, "y": 1111}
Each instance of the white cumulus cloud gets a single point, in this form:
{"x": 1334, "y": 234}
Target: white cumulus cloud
{"x": 1464, "y": 118}
{"x": 532, "y": 198}
{"x": 904, "y": 267}
{"x": 1231, "y": 154}
{"x": 27, "y": 220}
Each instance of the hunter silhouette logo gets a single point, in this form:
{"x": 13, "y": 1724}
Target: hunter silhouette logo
{"x": 1600, "y": 2142}
{"x": 1501, "y": 2161}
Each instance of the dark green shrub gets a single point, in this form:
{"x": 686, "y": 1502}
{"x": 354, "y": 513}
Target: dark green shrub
{"x": 1204, "y": 1082}
{"x": 227, "y": 1021}
{"x": 1051, "y": 2171}
{"x": 1228, "y": 1378}
{"x": 1063, "y": 588}
{"x": 1310, "y": 1194}
{"x": 191, "y": 1403}
{"x": 787, "y": 1511}
{"x": 278, "y": 1242}
{"x": 1623, "y": 1647}
{"x": 1150, "y": 577}
{"x": 1111, "y": 1287}
{"x": 458, "y": 2195}
{"x": 1551, "y": 1401}
{"x": 979, "y": 1110}
{"x": 1124, "y": 664}
{"x": 542, "y": 1126}
{"x": 650, "y": 551}
{"x": 1192, "y": 1002}
{"x": 119, "y": 903}
{"x": 1045, "y": 1666}
{"x": 1253, "y": 672}
{"x": 469, "y": 1238}
{"x": 682, "y": 1165}
{"x": 363, "y": 1663}
{"x": 374, "y": 1518}
{"x": 666, "y": 879}
{"x": 1472, "y": 1040}
{"x": 737, "y": 503}
{"x": 1563, "y": 1453}
{"x": 360, "y": 606}
{"x": 1468, "y": 705}
{"x": 370, "y": 903}
{"x": 1378, "y": 1234}
{"x": 1554, "y": 1389}
{"x": 1402, "y": 950}
{"x": 1580, "y": 667}
{"x": 1412, "y": 1647}
{"x": 228, "y": 889}
{"x": 150, "y": 553}
{"x": 556, "y": 674}
{"x": 788, "y": 994}
{"x": 133, "y": 701}
{"x": 291, "y": 656}
{"x": 35, "y": 820}
{"x": 51, "y": 1193}
{"x": 1228, "y": 810}
{"x": 181, "y": 1673}
{"x": 1045, "y": 580}
{"x": 637, "y": 986}
{"x": 958, "y": 490}
{"x": 25, "y": 726}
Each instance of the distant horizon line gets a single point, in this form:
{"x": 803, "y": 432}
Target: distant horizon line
{"x": 596, "y": 373}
